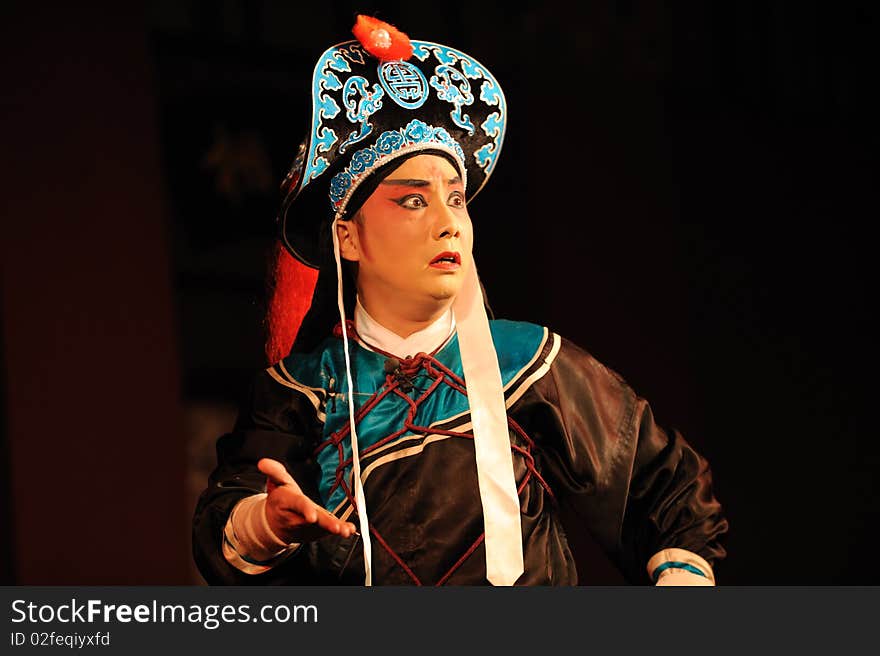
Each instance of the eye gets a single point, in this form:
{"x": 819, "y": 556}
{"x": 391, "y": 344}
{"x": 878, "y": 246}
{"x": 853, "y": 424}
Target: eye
{"x": 456, "y": 199}
{"x": 412, "y": 202}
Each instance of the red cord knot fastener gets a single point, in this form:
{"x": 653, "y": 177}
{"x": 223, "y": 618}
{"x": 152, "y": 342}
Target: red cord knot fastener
{"x": 349, "y": 327}
{"x": 411, "y": 365}
{"x": 403, "y": 371}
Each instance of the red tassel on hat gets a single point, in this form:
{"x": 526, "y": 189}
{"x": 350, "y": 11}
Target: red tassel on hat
{"x": 292, "y": 287}
{"x": 382, "y": 40}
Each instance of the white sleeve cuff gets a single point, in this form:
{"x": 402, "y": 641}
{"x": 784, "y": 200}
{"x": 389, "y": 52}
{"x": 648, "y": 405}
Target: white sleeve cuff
{"x": 680, "y": 567}
{"x": 249, "y": 544}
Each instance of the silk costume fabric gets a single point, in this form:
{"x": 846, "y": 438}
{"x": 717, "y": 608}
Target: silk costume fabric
{"x": 637, "y": 488}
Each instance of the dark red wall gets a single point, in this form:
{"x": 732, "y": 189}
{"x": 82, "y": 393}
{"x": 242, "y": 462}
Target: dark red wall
{"x": 93, "y": 424}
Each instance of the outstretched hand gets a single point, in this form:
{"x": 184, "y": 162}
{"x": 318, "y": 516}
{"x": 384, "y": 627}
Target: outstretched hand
{"x": 292, "y": 515}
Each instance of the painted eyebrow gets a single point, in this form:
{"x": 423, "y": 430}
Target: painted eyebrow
{"x": 405, "y": 182}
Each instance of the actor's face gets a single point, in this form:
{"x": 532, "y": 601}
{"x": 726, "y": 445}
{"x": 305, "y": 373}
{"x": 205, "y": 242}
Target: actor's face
{"x": 413, "y": 237}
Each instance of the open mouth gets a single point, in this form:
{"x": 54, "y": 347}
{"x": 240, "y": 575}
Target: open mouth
{"x": 447, "y": 258}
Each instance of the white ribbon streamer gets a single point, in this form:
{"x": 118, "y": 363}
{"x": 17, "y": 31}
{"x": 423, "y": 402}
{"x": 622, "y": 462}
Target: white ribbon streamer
{"x": 501, "y": 511}
{"x": 356, "y": 463}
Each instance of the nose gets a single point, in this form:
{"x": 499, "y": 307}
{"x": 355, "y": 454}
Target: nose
{"x": 448, "y": 223}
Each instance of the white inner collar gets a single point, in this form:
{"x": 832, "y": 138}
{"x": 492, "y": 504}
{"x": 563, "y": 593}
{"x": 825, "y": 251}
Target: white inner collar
{"x": 426, "y": 340}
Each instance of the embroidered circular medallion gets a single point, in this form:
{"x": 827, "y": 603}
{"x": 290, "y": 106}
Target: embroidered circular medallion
{"x": 404, "y": 83}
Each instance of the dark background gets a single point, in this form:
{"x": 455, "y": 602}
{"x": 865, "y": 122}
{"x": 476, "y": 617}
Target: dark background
{"x": 686, "y": 190}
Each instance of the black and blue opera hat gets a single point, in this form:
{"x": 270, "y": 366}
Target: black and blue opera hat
{"x": 373, "y": 103}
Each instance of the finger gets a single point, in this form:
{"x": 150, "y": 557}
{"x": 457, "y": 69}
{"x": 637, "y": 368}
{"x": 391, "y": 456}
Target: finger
{"x": 323, "y": 523}
{"x": 334, "y": 524}
{"x": 316, "y": 514}
{"x": 276, "y": 472}
{"x": 344, "y": 528}
{"x": 291, "y": 499}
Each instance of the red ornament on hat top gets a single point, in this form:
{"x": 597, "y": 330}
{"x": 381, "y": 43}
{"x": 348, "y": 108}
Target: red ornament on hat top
{"x": 382, "y": 40}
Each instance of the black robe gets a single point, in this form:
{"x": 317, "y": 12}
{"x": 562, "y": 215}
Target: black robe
{"x": 579, "y": 434}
